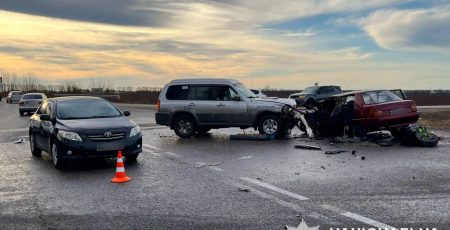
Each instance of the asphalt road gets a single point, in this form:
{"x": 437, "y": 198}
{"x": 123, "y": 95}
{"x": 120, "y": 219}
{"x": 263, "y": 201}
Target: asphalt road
{"x": 194, "y": 183}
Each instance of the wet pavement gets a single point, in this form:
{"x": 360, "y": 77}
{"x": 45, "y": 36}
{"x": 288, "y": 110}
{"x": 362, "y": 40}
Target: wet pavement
{"x": 195, "y": 183}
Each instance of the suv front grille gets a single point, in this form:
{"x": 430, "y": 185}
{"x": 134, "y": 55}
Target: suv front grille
{"x": 101, "y": 137}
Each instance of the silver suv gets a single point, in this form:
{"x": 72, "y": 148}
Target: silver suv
{"x": 191, "y": 106}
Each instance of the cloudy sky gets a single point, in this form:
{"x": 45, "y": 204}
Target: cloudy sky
{"x": 358, "y": 44}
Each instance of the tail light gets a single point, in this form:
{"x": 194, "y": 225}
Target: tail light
{"x": 158, "y": 105}
{"x": 413, "y": 107}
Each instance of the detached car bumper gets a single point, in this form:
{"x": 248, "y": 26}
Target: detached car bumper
{"x": 89, "y": 149}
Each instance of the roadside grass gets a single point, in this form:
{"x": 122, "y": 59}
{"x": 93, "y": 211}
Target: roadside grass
{"x": 438, "y": 120}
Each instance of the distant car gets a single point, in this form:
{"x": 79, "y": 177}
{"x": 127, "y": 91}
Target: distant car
{"x": 258, "y": 93}
{"x": 30, "y": 102}
{"x": 313, "y": 94}
{"x": 14, "y": 96}
{"x": 191, "y": 106}
{"x": 83, "y": 127}
{"x": 359, "y": 112}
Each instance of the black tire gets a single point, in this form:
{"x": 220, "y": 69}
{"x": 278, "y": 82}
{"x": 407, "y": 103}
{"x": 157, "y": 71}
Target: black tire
{"x": 427, "y": 139}
{"x": 21, "y": 113}
{"x": 35, "y": 151}
{"x": 270, "y": 124}
{"x": 184, "y": 126}
{"x": 203, "y": 130}
{"x": 311, "y": 103}
{"x": 57, "y": 160}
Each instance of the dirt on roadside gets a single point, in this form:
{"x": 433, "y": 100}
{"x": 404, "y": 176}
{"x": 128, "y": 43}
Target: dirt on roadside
{"x": 436, "y": 120}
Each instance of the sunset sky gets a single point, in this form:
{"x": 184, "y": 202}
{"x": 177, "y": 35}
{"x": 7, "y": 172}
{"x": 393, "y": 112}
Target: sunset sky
{"x": 358, "y": 44}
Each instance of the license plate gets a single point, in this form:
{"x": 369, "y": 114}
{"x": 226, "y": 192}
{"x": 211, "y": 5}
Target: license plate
{"x": 109, "y": 147}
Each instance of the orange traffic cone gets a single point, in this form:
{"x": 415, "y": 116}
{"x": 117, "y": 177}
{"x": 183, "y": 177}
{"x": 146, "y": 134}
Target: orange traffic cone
{"x": 121, "y": 176}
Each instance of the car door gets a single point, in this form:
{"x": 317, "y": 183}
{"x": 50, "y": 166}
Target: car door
{"x": 230, "y": 108}
{"x": 47, "y": 127}
{"x": 200, "y": 104}
{"x": 36, "y": 125}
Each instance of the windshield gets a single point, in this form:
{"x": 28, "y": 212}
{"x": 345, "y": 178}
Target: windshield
{"x": 32, "y": 96}
{"x": 86, "y": 109}
{"x": 311, "y": 89}
{"x": 244, "y": 90}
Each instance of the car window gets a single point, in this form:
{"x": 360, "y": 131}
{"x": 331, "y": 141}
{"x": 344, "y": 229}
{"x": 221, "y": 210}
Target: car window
{"x": 244, "y": 90}
{"x": 86, "y": 109}
{"x": 32, "y": 96}
{"x": 223, "y": 93}
{"x": 177, "y": 92}
{"x": 48, "y": 110}
{"x": 311, "y": 89}
{"x": 202, "y": 93}
{"x": 379, "y": 97}
{"x": 42, "y": 109}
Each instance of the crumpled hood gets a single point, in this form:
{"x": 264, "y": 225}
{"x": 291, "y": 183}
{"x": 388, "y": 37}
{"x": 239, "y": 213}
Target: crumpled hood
{"x": 281, "y": 101}
{"x": 97, "y": 123}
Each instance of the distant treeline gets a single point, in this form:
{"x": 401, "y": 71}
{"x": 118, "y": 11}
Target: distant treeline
{"x": 149, "y": 95}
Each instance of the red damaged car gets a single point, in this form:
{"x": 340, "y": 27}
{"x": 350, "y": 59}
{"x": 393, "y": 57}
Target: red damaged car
{"x": 356, "y": 113}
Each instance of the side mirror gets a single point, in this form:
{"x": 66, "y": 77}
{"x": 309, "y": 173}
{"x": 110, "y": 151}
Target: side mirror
{"x": 126, "y": 113}
{"x": 45, "y": 117}
{"x": 237, "y": 98}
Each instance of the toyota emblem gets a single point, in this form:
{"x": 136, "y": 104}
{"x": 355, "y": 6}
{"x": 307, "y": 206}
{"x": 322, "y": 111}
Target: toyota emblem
{"x": 107, "y": 134}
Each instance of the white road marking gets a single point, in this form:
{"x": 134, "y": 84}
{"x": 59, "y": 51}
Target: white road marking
{"x": 275, "y": 189}
{"x": 172, "y": 154}
{"x": 151, "y": 147}
{"x": 13, "y": 130}
{"x": 289, "y": 205}
{"x": 200, "y": 164}
{"x": 358, "y": 217}
{"x": 215, "y": 168}
{"x": 154, "y": 127}
{"x": 151, "y": 152}
{"x": 26, "y": 136}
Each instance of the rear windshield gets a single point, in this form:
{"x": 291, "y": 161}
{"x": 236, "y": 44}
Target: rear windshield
{"x": 16, "y": 93}
{"x": 380, "y": 97}
{"x": 32, "y": 96}
{"x": 86, "y": 109}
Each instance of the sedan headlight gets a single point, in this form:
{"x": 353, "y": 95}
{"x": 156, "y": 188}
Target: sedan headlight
{"x": 69, "y": 136}
{"x": 135, "y": 131}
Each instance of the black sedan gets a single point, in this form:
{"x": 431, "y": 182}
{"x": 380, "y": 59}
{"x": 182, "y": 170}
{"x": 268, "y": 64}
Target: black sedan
{"x": 83, "y": 127}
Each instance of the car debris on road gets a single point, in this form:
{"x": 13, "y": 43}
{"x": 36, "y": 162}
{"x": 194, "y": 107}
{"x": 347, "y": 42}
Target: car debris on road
{"x": 310, "y": 147}
{"x": 20, "y": 141}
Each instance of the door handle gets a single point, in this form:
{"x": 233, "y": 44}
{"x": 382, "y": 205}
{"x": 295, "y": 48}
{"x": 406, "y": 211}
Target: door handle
{"x": 191, "y": 104}
{"x": 220, "y": 104}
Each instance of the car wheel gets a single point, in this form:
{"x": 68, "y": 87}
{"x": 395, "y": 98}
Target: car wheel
{"x": 37, "y": 152}
{"x": 21, "y": 113}
{"x": 203, "y": 130}
{"x": 311, "y": 103}
{"x": 270, "y": 125}
{"x": 184, "y": 126}
{"x": 56, "y": 158}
